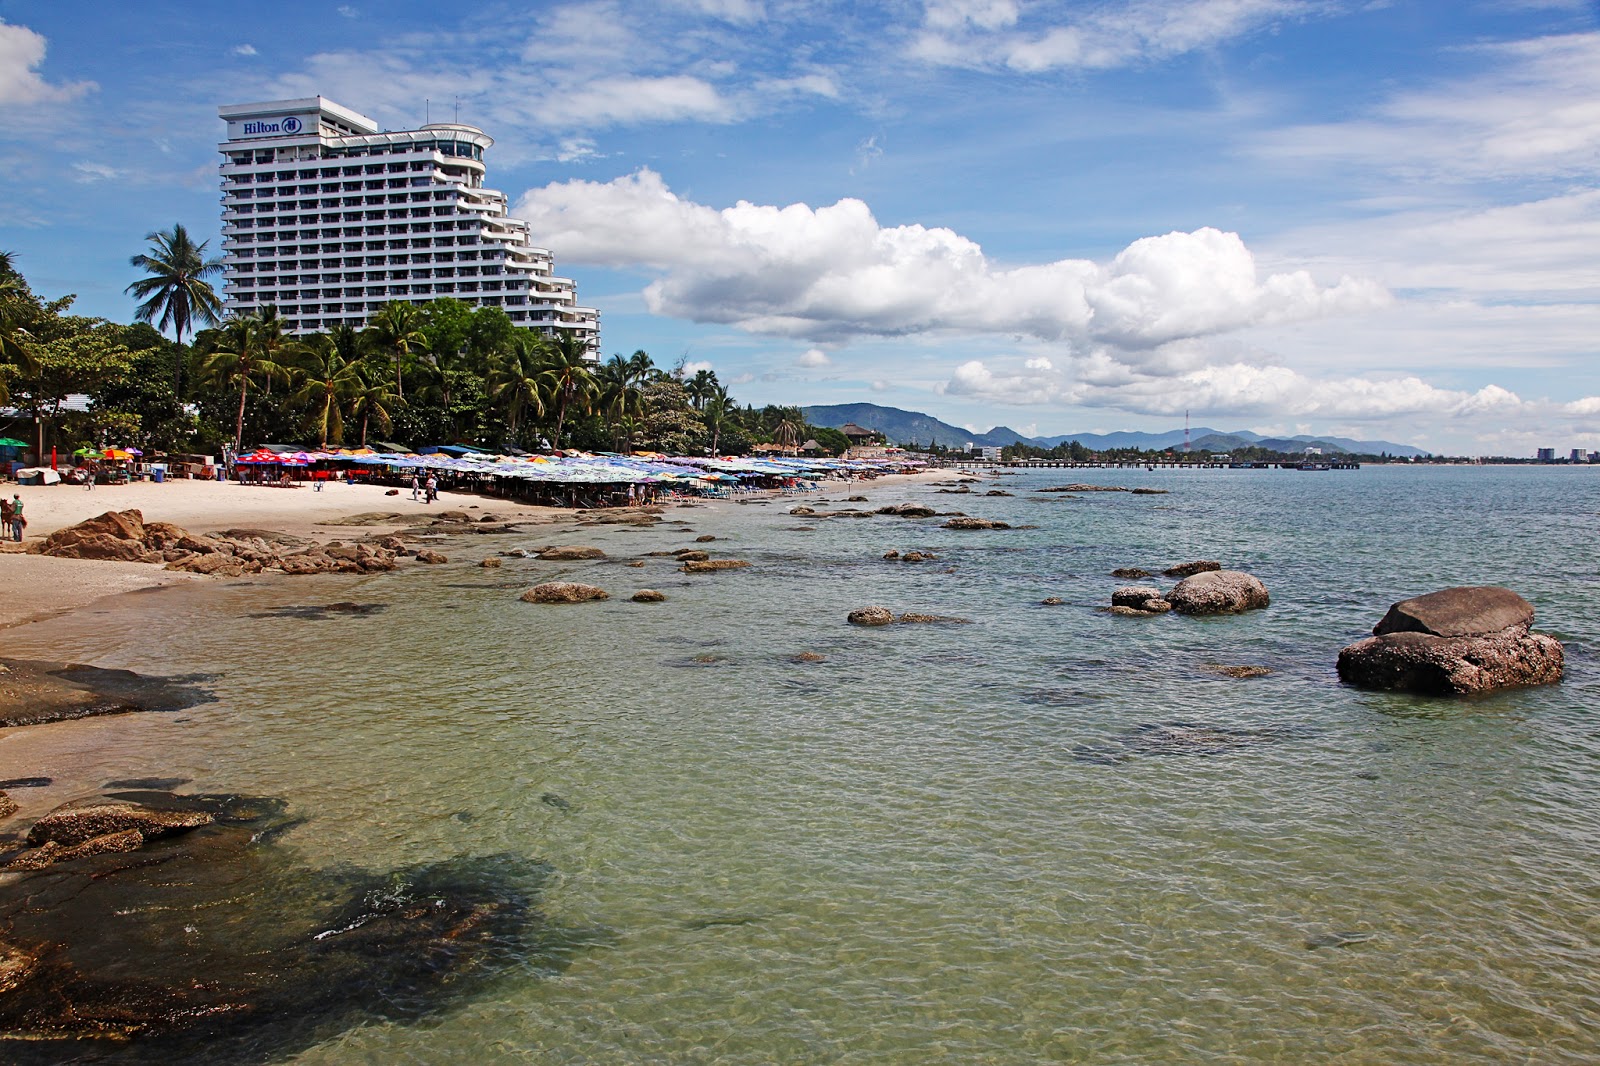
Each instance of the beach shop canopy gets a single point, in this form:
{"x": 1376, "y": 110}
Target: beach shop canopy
{"x": 12, "y": 442}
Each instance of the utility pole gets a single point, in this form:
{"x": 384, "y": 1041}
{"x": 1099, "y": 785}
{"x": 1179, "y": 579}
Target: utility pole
{"x": 1185, "y": 431}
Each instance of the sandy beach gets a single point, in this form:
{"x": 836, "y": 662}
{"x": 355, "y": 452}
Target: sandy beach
{"x": 39, "y": 586}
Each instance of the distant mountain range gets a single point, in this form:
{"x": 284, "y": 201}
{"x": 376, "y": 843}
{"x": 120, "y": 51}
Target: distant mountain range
{"x": 913, "y": 427}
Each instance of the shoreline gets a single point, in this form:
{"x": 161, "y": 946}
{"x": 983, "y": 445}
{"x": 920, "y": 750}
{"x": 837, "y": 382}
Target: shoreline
{"x": 38, "y": 587}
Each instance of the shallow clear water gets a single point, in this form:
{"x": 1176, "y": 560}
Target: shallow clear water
{"x": 946, "y": 843}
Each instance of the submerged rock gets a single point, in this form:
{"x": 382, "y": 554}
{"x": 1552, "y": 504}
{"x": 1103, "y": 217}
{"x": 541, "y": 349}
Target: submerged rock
{"x": 32, "y": 693}
{"x": 1199, "y": 566}
{"x": 707, "y": 566}
{"x": 1455, "y": 642}
{"x": 569, "y": 552}
{"x": 213, "y": 947}
{"x": 648, "y": 596}
{"x": 968, "y": 522}
{"x": 564, "y": 592}
{"x": 1219, "y": 592}
{"x": 1129, "y": 573}
{"x": 870, "y": 616}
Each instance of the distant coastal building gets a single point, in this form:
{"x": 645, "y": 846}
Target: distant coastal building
{"x": 1580, "y": 455}
{"x": 1545, "y": 455}
{"x": 329, "y": 218}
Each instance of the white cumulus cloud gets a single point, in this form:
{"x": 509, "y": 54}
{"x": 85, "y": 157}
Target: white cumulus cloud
{"x": 813, "y": 359}
{"x": 833, "y": 272}
{"x": 22, "y": 52}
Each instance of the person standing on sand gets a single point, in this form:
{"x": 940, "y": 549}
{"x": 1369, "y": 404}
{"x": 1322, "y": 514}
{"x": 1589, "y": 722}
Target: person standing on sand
{"x": 416, "y": 487}
{"x": 17, "y": 521}
{"x": 433, "y": 488}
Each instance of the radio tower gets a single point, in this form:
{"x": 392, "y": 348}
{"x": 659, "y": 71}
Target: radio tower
{"x": 1185, "y": 431}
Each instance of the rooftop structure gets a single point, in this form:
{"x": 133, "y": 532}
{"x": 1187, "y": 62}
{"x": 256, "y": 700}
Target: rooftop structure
{"x": 329, "y": 218}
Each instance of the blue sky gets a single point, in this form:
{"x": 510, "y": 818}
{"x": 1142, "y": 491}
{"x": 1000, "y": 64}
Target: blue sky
{"x": 1377, "y": 218}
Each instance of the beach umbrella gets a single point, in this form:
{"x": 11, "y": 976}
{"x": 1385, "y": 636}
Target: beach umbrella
{"x": 87, "y": 453}
{"x": 12, "y": 442}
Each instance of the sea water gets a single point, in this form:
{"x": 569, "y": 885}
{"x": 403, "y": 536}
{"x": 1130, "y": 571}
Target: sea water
{"x": 1051, "y": 834}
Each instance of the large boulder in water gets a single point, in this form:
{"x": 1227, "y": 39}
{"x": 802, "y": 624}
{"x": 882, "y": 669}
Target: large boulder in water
{"x": 1218, "y": 592}
{"x": 1455, "y": 642}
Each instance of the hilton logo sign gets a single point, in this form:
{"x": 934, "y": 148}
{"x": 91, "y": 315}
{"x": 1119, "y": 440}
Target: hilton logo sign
{"x": 290, "y": 125}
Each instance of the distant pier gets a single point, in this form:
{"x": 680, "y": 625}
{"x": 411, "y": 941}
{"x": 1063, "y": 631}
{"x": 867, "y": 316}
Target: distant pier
{"x": 1158, "y": 464}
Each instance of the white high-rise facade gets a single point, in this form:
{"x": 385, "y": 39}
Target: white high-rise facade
{"x": 328, "y": 218}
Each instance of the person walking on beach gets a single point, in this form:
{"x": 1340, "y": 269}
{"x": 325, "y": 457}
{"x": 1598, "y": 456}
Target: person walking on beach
{"x": 17, "y": 521}
{"x": 416, "y": 487}
{"x": 433, "y": 488}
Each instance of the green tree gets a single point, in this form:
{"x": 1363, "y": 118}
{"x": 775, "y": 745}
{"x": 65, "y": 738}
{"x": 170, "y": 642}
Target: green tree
{"x": 373, "y": 402}
{"x": 515, "y": 381}
{"x": 176, "y": 290}
{"x": 328, "y": 370}
{"x": 246, "y": 350}
{"x": 565, "y": 376}
{"x": 714, "y": 411}
{"x": 395, "y": 330}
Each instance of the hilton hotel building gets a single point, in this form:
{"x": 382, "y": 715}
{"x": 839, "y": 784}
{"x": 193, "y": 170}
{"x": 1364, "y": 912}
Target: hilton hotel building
{"x": 330, "y": 218}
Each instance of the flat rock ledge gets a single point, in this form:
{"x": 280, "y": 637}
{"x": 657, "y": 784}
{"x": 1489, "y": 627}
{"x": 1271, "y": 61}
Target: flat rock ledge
{"x": 564, "y": 592}
{"x": 571, "y": 552}
{"x": 1219, "y": 592}
{"x": 1453, "y": 643}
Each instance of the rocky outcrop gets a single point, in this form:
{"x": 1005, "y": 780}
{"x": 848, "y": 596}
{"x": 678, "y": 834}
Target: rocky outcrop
{"x": 1080, "y": 487}
{"x": 1218, "y": 592}
{"x": 1466, "y": 611}
{"x": 1135, "y": 596}
{"x": 870, "y": 616}
{"x": 428, "y": 555}
{"x": 564, "y": 592}
{"x": 569, "y": 552}
{"x": 8, "y": 806}
{"x": 1199, "y": 566}
{"x": 914, "y": 617}
{"x": 1129, "y": 573}
{"x": 905, "y": 510}
{"x": 709, "y": 566}
{"x": 74, "y": 823}
{"x": 648, "y": 596}
{"x": 493, "y": 562}
{"x": 1150, "y": 492}
{"x": 1456, "y": 641}
{"x": 968, "y": 522}
{"x": 689, "y": 555}
{"x": 125, "y": 536}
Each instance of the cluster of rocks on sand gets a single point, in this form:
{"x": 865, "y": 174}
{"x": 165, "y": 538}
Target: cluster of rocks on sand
{"x": 1454, "y": 642}
{"x": 126, "y": 537}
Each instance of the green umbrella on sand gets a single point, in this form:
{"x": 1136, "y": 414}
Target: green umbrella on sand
{"x": 88, "y": 453}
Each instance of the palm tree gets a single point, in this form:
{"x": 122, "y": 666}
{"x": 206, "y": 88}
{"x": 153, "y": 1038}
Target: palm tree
{"x": 514, "y": 380}
{"x": 641, "y": 366}
{"x": 617, "y": 395}
{"x": 565, "y": 375}
{"x": 329, "y": 372}
{"x": 700, "y": 387}
{"x": 396, "y": 330}
{"x": 372, "y": 401}
{"x": 714, "y": 410}
{"x": 787, "y": 434}
{"x": 244, "y": 351}
{"x": 176, "y": 290}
